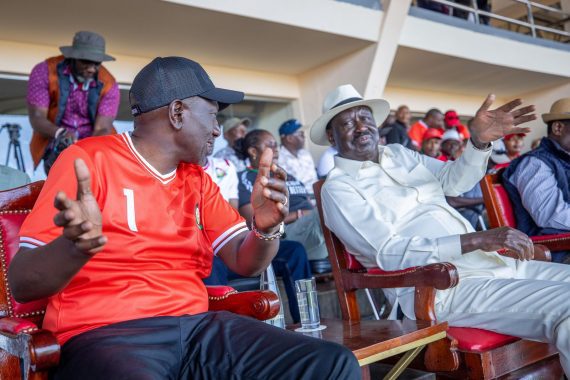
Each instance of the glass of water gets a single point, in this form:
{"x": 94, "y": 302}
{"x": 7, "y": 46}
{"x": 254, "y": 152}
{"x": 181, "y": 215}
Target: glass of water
{"x": 308, "y": 303}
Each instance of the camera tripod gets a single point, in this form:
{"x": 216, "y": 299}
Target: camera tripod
{"x": 14, "y": 134}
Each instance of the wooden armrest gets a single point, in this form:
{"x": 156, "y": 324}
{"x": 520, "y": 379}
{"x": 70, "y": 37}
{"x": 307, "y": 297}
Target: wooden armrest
{"x": 259, "y": 304}
{"x": 36, "y": 349}
{"x": 438, "y": 276}
{"x": 541, "y": 253}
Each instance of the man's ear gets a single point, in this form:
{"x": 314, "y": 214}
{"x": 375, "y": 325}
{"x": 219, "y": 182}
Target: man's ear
{"x": 251, "y": 152}
{"x": 330, "y": 137}
{"x": 175, "y": 113}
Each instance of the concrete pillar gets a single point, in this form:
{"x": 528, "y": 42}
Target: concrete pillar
{"x": 395, "y": 13}
{"x": 565, "y": 6}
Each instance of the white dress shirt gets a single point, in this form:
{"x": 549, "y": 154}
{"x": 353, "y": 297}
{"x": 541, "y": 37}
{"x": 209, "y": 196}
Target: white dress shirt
{"x": 301, "y": 167}
{"x": 224, "y": 174}
{"x": 394, "y": 215}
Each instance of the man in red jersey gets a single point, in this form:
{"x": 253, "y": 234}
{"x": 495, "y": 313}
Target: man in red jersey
{"x": 124, "y": 263}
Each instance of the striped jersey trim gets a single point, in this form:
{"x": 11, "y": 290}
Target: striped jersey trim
{"x": 29, "y": 242}
{"x": 228, "y": 235}
{"x": 163, "y": 178}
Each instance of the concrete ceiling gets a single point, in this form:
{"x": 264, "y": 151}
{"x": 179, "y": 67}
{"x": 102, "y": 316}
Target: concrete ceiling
{"x": 149, "y": 28}
{"x": 423, "y": 70}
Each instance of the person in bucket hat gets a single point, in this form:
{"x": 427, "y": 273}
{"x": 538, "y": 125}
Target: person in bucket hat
{"x": 70, "y": 97}
{"x": 133, "y": 233}
{"x": 538, "y": 182}
{"x": 387, "y": 205}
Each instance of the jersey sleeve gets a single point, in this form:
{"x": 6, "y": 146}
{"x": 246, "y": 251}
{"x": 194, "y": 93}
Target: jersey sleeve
{"x": 39, "y": 229}
{"x": 222, "y": 222}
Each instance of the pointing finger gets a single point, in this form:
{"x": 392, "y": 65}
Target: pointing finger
{"x": 83, "y": 178}
{"x": 265, "y": 163}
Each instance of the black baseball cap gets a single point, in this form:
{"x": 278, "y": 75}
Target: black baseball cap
{"x": 168, "y": 78}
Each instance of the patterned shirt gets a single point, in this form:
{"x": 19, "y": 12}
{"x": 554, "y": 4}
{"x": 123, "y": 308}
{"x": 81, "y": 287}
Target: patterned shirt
{"x": 302, "y": 166}
{"x": 76, "y": 115}
{"x": 228, "y": 153}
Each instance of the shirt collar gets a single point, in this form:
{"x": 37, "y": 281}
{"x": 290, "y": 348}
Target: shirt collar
{"x": 558, "y": 147}
{"x": 353, "y": 167}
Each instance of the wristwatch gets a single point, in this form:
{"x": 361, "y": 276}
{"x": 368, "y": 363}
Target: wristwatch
{"x": 267, "y": 237}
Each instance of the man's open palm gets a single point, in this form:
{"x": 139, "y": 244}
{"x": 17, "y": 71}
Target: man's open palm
{"x": 81, "y": 218}
{"x": 490, "y": 125}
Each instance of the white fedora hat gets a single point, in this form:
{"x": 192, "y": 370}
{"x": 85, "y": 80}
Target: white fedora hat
{"x": 343, "y": 98}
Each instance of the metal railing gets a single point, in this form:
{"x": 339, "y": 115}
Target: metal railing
{"x": 530, "y": 23}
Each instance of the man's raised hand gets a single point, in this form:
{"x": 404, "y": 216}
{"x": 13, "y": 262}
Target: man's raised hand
{"x": 269, "y": 198}
{"x": 81, "y": 218}
{"x": 490, "y": 125}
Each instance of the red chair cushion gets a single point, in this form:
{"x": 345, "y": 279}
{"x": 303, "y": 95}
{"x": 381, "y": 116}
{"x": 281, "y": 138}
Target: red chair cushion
{"x": 351, "y": 262}
{"x": 219, "y": 291}
{"x": 538, "y": 239}
{"x": 16, "y": 325}
{"x": 10, "y": 223}
{"x": 505, "y": 205}
{"x": 477, "y": 340}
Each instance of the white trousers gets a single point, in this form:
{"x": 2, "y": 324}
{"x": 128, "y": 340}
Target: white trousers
{"x": 533, "y": 305}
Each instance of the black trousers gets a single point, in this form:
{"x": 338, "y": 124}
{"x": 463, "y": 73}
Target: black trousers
{"x": 212, "y": 345}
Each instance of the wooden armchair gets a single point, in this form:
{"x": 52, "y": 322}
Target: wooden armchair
{"x": 500, "y": 211}
{"x": 468, "y": 353}
{"x": 27, "y": 351}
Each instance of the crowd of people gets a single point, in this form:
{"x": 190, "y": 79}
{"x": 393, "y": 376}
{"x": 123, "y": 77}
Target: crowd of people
{"x": 147, "y": 218}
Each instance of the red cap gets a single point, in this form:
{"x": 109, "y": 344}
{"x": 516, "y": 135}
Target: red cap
{"x": 510, "y": 136}
{"x": 451, "y": 118}
{"x": 432, "y": 133}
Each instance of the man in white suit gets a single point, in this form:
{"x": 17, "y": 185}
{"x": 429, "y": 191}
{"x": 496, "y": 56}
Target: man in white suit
{"x": 387, "y": 205}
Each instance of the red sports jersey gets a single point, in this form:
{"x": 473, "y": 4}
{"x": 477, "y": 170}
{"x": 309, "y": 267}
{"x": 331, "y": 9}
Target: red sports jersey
{"x": 162, "y": 231}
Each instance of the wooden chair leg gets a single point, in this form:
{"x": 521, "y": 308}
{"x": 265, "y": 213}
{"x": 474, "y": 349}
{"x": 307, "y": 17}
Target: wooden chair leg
{"x": 365, "y": 372}
{"x": 442, "y": 356}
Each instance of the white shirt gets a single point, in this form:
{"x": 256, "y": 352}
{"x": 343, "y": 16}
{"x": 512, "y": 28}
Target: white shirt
{"x": 224, "y": 174}
{"x": 326, "y": 162}
{"x": 394, "y": 215}
{"x": 301, "y": 167}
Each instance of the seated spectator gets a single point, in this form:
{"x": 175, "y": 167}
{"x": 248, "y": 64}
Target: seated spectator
{"x": 470, "y": 205}
{"x": 326, "y": 162}
{"x": 387, "y": 205}
{"x": 512, "y": 147}
{"x": 224, "y": 174}
{"x": 538, "y": 182}
{"x": 451, "y": 146}
{"x": 431, "y": 144}
{"x": 234, "y": 128}
{"x": 293, "y": 157}
{"x": 10, "y": 178}
{"x": 302, "y": 224}
{"x": 398, "y": 130}
{"x": 452, "y": 121}
{"x": 291, "y": 261}
{"x": 432, "y": 119}
{"x": 124, "y": 262}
